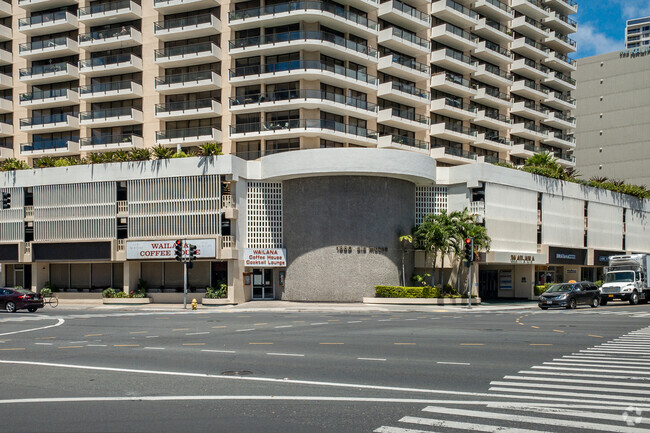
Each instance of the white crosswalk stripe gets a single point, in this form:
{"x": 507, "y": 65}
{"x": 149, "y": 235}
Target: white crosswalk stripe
{"x": 605, "y": 388}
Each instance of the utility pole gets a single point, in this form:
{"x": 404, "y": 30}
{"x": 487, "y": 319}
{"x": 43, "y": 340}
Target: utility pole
{"x": 469, "y": 257}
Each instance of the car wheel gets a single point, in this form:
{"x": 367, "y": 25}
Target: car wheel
{"x": 32, "y": 309}
{"x": 634, "y": 298}
{"x": 595, "y": 302}
{"x": 544, "y": 308}
{"x": 10, "y": 307}
{"x": 603, "y": 302}
{"x": 572, "y": 304}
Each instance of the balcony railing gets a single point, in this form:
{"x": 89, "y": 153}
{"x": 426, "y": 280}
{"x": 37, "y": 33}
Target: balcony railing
{"x": 280, "y": 125}
{"x": 498, "y": 26}
{"x": 185, "y": 105}
{"x": 497, "y": 49}
{"x": 457, "y": 55}
{"x": 44, "y": 69}
{"x": 565, "y": 78}
{"x": 500, "y": 5}
{"x": 47, "y": 43}
{"x": 289, "y": 95}
{"x": 44, "y": 94}
{"x": 410, "y": 115}
{"x": 42, "y": 19}
{"x": 45, "y": 120}
{"x": 409, "y": 10}
{"x": 122, "y": 206}
{"x": 561, "y": 17}
{"x": 460, "y": 32}
{"x": 532, "y": 64}
{"x": 495, "y": 70}
{"x": 409, "y": 63}
{"x": 184, "y": 50}
{"x": 105, "y": 87}
{"x": 458, "y": 103}
{"x": 462, "y": 9}
{"x": 458, "y": 80}
{"x": 459, "y": 152}
{"x": 104, "y": 139}
{"x": 302, "y": 6}
{"x": 564, "y": 137}
{"x": 495, "y": 93}
{"x": 107, "y": 113}
{"x": 107, "y": 34}
{"x": 565, "y": 59}
{"x": 496, "y": 138}
{"x": 494, "y": 115}
{"x": 532, "y": 106}
{"x": 411, "y": 37}
{"x": 411, "y": 142}
{"x": 411, "y": 90}
{"x": 183, "y": 78}
{"x": 227, "y": 242}
{"x": 302, "y": 36}
{"x": 184, "y": 22}
{"x": 534, "y": 86}
{"x": 29, "y": 211}
{"x": 565, "y": 98}
{"x": 100, "y": 8}
{"x": 565, "y": 39}
{"x": 563, "y": 117}
{"x": 171, "y": 134}
{"x": 454, "y": 127}
{"x": 297, "y": 65}
{"x": 61, "y": 143}
{"x": 104, "y": 61}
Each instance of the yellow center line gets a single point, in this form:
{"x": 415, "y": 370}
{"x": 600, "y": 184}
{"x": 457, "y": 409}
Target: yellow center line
{"x": 16, "y": 348}
{"x": 404, "y": 344}
{"x": 261, "y": 343}
{"x": 522, "y": 324}
{"x": 4, "y": 341}
{"x": 331, "y": 343}
{"x": 43, "y": 338}
{"x": 259, "y": 324}
{"x": 536, "y": 327}
{"x": 472, "y": 344}
{"x": 596, "y": 336}
{"x": 557, "y": 330}
{"x": 70, "y": 347}
{"x": 126, "y": 345}
{"x": 298, "y": 321}
{"x": 93, "y": 335}
{"x": 217, "y": 327}
{"x": 333, "y": 320}
{"x": 180, "y": 329}
{"x": 193, "y": 344}
{"x": 138, "y": 332}
{"x": 540, "y": 344}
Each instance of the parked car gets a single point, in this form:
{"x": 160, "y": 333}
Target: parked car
{"x": 570, "y": 295}
{"x": 13, "y": 300}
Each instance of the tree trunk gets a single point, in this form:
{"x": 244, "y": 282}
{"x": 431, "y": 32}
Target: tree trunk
{"x": 433, "y": 271}
{"x": 442, "y": 271}
{"x": 460, "y": 264}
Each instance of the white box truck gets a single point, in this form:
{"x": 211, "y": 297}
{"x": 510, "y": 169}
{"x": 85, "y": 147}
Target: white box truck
{"x": 626, "y": 278}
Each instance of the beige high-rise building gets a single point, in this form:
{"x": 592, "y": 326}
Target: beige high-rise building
{"x": 461, "y": 81}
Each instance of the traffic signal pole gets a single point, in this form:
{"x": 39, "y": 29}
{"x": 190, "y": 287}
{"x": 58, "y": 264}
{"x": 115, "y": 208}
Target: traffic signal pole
{"x": 185, "y": 285}
{"x": 469, "y": 284}
{"x": 469, "y": 256}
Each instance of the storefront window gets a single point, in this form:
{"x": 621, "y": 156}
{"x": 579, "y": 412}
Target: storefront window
{"x": 549, "y": 274}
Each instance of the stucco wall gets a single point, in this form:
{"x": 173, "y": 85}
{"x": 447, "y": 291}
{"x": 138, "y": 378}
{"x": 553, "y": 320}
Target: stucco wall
{"x": 323, "y": 213}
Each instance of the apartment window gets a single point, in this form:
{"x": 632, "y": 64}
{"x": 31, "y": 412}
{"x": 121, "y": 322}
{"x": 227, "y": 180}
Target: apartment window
{"x": 276, "y": 146}
{"x": 248, "y": 150}
{"x": 330, "y": 144}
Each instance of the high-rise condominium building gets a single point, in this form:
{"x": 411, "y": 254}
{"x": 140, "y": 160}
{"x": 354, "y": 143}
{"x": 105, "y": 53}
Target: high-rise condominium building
{"x": 637, "y": 33}
{"x": 460, "y": 80}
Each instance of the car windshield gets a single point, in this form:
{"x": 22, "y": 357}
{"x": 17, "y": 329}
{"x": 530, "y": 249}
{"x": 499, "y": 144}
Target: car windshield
{"x": 620, "y": 277}
{"x": 557, "y": 288}
{"x": 24, "y": 291}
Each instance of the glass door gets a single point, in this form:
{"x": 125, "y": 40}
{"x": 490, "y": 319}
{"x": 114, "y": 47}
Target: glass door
{"x": 263, "y": 284}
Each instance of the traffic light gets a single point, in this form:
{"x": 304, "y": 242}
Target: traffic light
{"x": 6, "y": 200}
{"x": 192, "y": 252}
{"x": 178, "y": 250}
{"x": 469, "y": 250}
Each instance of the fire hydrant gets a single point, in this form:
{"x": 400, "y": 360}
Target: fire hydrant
{"x": 194, "y": 304}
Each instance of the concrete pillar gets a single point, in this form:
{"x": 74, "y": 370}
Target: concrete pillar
{"x": 40, "y": 276}
{"x": 131, "y": 276}
{"x": 237, "y": 291}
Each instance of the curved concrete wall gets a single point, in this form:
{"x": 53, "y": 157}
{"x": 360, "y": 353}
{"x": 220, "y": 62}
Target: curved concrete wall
{"x": 323, "y": 216}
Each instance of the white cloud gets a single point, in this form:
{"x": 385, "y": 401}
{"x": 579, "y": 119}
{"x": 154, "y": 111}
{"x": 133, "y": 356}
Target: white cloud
{"x": 634, "y": 8}
{"x": 592, "y": 42}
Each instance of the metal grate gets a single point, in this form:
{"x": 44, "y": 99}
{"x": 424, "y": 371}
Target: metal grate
{"x": 429, "y": 200}
{"x": 12, "y": 224}
{"x": 264, "y": 215}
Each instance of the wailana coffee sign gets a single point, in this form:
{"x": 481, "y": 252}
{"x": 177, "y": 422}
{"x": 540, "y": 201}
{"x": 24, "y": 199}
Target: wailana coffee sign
{"x": 265, "y": 257}
{"x": 163, "y": 250}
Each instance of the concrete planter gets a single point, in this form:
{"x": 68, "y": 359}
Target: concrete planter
{"x": 421, "y": 301}
{"x": 127, "y": 301}
{"x": 223, "y": 301}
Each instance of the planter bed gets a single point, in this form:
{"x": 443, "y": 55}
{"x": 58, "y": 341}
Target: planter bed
{"x": 217, "y": 301}
{"x": 421, "y": 301}
{"x": 131, "y": 301}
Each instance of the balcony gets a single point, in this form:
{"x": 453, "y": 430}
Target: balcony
{"x": 560, "y": 62}
{"x": 529, "y": 69}
{"x": 6, "y": 153}
{"x": 202, "y": 81}
{"x": 525, "y": 150}
{"x": 492, "y": 119}
{"x": 328, "y": 14}
{"x": 188, "y": 55}
{"x": 492, "y": 98}
{"x": 6, "y": 81}
{"x": 559, "y": 42}
{"x": 325, "y": 42}
{"x": 493, "y": 75}
{"x": 49, "y": 23}
{"x": 560, "y": 139}
{"x": 403, "y": 42}
{"x": 455, "y": 13}
{"x": 6, "y": 105}
{"x": 560, "y": 121}
{"x": 229, "y": 207}
{"x": 196, "y": 109}
{"x": 49, "y": 48}
{"x": 403, "y": 143}
{"x": 401, "y": 67}
{"x": 404, "y": 15}
{"x": 6, "y": 58}
{"x": 5, "y": 9}
{"x": 49, "y": 98}
{"x": 559, "y": 101}
{"x": 327, "y": 129}
{"x": 532, "y": 8}
{"x": 453, "y": 132}
{"x": 451, "y": 155}
{"x": 307, "y": 99}
{"x": 453, "y": 60}
{"x": 175, "y": 6}
{"x": 529, "y": 110}
{"x": 104, "y": 143}
{"x": 452, "y": 83}
{"x": 453, "y": 108}
{"x": 6, "y": 34}
{"x": 59, "y": 147}
{"x": 110, "y": 65}
{"x": 54, "y": 73}
{"x": 6, "y": 129}
{"x": 492, "y": 141}
{"x": 304, "y": 69}
{"x": 493, "y": 30}
{"x": 110, "y": 39}
{"x": 529, "y": 48}
{"x": 566, "y": 7}
{"x": 493, "y": 53}
{"x": 454, "y": 37}
{"x": 404, "y": 119}
{"x": 176, "y": 29}
{"x": 561, "y": 82}
{"x": 50, "y": 123}
{"x": 494, "y": 9}
{"x": 529, "y": 89}
{"x": 529, "y": 27}
{"x": 189, "y": 136}
{"x": 120, "y": 116}
{"x": 403, "y": 94}
{"x": 561, "y": 23}
{"x": 529, "y": 131}
{"x": 110, "y": 91}
{"x": 39, "y": 5}
{"x": 106, "y": 13}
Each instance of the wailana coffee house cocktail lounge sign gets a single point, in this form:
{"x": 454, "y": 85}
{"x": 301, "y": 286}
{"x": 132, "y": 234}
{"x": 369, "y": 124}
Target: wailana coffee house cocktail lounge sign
{"x": 265, "y": 257}
{"x": 162, "y": 250}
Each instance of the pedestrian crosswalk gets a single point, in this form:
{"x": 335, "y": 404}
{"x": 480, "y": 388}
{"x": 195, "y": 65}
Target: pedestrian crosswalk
{"x": 602, "y": 388}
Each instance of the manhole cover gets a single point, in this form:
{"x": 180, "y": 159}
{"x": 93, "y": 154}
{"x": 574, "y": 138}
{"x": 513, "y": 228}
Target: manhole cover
{"x": 236, "y": 373}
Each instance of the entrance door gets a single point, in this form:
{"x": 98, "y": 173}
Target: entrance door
{"x": 488, "y": 286}
{"x": 18, "y": 277}
{"x": 263, "y": 284}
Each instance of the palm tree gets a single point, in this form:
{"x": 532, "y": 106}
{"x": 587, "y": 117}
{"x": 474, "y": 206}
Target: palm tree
{"x": 431, "y": 237}
{"x": 447, "y": 225}
{"x": 405, "y": 241}
{"x": 465, "y": 226}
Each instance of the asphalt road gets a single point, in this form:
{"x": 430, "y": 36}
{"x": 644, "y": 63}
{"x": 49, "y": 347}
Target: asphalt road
{"x": 345, "y": 370}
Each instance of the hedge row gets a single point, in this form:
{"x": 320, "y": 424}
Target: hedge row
{"x": 410, "y": 292}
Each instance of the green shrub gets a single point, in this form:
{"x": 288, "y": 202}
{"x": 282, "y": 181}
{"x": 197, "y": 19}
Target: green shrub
{"x": 407, "y": 292}
{"x": 220, "y": 292}
{"x": 108, "y": 293}
{"x": 539, "y": 290}
{"x": 598, "y": 283}
{"x": 46, "y": 292}
{"x": 139, "y": 155}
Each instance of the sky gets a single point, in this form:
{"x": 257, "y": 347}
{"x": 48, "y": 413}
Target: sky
{"x": 601, "y": 24}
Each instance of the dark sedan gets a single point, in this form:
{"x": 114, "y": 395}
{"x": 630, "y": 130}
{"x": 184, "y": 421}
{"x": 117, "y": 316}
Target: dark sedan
{"x": 570, "y": 295}
{"x": 13, "y": 300}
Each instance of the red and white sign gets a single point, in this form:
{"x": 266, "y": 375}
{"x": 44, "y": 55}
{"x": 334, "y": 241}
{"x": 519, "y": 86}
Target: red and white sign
{"x": 163, "y": 250}
{"x": 265, "y": 257}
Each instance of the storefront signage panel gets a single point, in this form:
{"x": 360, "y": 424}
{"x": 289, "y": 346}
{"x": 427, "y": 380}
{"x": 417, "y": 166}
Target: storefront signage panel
{"x": 601, "y": 258}
{"x": 516, "y": 258}
{"x": 567, "y": 256}
{"x": 157, "y": 250}
{"x": 265, "y": 257}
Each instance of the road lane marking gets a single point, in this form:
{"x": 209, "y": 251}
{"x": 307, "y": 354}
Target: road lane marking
{"x": 77, "y": 342}
{"x": 262, "y": 342}
{"x": 59, "y": 323}
{"x": 180, "y": 329}
{"x": 372, "y": 359}
{"x": 126, "y": 345}
{"x": 70, "y": 347}
{"x": 284, "y": 326}
{"x": 298, "y": 321}
{"x": 259, "y": 324}
{"x": 218, "y": 351}
{"x": 557, "y": 330}
{"x": 588, "y": 381}
{"x": 404, "y": 344}
{"x": 44, "y": 344}
{"x": 244, "y": 330}
{"x": 14, "y": 348}
{"x": 354, "y": 321}
{"x": 452, "y": 363}
{"x": 331, "y": 343}
{"x": 595, "y": 336}
{"x": 197, "y": 333}
{"x": 152, "y": 336}
{"x": 318, "y": 323}
{"x": 472, "y": 344}
{"x": 219, "y": 327}
{"x": 138, "y": 332}
{"x": 93, "y": 335}
{"x": 540, "y": 344}
{"x": 333, "y": 320}
{"x": 193, "y": 344}
{"x": 96, "y": 345}
{"x": 154, "y": 348}
{"x": 284, "y": 354}
{"x": 567, "y": 387}
{"x": 536, "y": 327}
